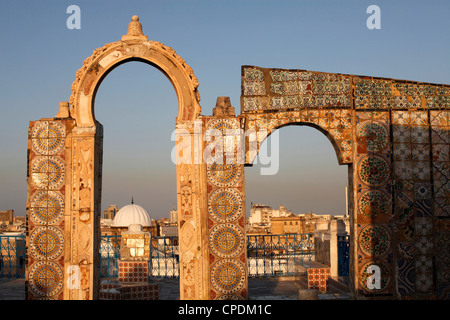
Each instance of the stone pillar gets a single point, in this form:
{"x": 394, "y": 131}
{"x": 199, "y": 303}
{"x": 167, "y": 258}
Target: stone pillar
{"x": 49, "y": 175}
{"x": 226, "y": 238}
{"x": 83, "y": 200}
{"x": 192, "y": 214}
{"x": 333, "y": 248}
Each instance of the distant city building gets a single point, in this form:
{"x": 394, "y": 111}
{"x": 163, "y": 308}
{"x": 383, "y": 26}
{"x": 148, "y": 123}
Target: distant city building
{"x": 262, "y": 214}
{"x": 110, "y": 212}
{"x": 174, "y": 216}
{"x": 289, "y": 224}
{"x": 265, "y": 220}
{"x": 20, "y": 220}
{"x": 169, "y": 230}
{"x": 7, "y": 217}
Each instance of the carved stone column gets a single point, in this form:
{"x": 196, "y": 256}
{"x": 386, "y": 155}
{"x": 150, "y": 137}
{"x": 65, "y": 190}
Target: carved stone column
{"x": 85, "y": 204}
{"x": 191, "y": 194}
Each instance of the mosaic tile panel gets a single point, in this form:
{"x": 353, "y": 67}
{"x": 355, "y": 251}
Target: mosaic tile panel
{"x": 226, "y": 214}
{"x": 275, "y": 89}
{"x": 317, "y": 278}
{"x": 372, "y": 93}
{"x": 280, "y": 89}
{"x": 226, "y": 240}
{"x": 46, "y": 243}
{"x": 442, "y": 241}
{"x": 399, "y": 131}
{"x": 48, "y": 137}
{"x": 373, "y": 173}
{"x": 47, "y": 172}
{"x": 223, "y": 175}
{"x": 440, "y": 137}
{"x": 440, "y": 153}
{"x": 386, "y": 281}
{"x": 45, "y": 278}
{"x": 413, "y": 198}
{"x": 133, "y": 271}
{"x": 45, "y": 210}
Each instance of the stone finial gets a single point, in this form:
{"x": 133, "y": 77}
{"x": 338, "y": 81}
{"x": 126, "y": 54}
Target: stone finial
{"x": 134, "y": 30}
{"x": 223, "y": 107}
{"x": 63, "y": 111}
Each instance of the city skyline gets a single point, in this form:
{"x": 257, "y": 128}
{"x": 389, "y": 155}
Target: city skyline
{"x": 137, "y": 105}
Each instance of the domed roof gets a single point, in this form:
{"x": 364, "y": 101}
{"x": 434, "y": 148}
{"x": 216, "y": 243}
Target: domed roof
{"x": 132, "y": 214}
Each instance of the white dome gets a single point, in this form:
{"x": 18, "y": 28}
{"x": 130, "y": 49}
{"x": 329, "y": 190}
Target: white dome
{"x": 131, "y": 214}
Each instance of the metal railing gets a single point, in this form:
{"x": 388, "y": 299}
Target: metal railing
{"x": 268, "y": 255}
{"x": 12, "y": 256}
{"x": 274, "y": 255}
{"x": 165, "y": 257}
{"x": 343, "y": 243}
{"x": 109, "y": 256}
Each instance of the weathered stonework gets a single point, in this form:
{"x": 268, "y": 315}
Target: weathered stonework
{"x": 393, "y": 135}
{"x": 226, "y": 209}
{"x": 82, "y": 160}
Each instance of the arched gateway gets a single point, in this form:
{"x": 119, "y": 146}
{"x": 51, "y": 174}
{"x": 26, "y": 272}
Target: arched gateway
{"x": 64, "y": 177}
{"x": 392, "y": 134}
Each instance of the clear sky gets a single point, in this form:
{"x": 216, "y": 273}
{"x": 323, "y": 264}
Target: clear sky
{"x": 137, "y": 105}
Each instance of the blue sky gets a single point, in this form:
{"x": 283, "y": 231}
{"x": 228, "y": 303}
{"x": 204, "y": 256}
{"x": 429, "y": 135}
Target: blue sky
{"x": 137, "y": 105}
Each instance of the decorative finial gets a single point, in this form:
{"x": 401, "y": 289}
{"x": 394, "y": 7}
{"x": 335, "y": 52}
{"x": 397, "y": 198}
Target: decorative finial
{"x": 134, "y": 30}
{"x": 63, "y": 111}
{"x": 132, "y": 200}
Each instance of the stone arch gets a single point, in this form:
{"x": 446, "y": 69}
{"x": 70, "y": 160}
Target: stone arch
{"x": 76, "y": 149}
{"x": 331, "y": 138}
{"x": 133, "y": 47}
{"x": 387, "y": 131}
{"x": 335, "y": 124}
{"x": 85, "y": 191}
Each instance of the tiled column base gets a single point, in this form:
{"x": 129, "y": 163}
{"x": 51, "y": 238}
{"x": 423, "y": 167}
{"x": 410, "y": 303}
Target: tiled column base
{"x": 133, "y": 271}
{"x": 119, "y": 291}
{"x": 317, "y": 278}
{"x": 133, "y": 283}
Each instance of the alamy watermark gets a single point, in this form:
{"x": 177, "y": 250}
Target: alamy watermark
{"x": 374, "y": 20}
{"x": 374, "y": 279}
{"x": 74, "y": 20}
{"x": 216, "y": 147}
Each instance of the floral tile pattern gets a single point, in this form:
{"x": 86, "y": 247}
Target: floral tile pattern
{"x": 226, "y": 214}
{"x": 46, "y": 180}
